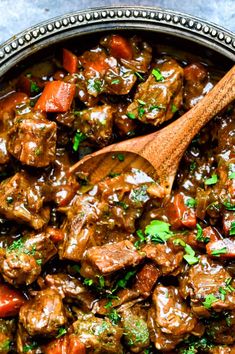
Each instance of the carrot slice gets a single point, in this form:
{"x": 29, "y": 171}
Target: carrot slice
{"x": 70, "y": 61}
{"x": 119, "y": 47}
{"x": 57, "y": 96}
{"x": 10, "y": 301}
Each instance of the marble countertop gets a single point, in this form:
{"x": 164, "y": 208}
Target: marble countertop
{"x": 17, "y": 15}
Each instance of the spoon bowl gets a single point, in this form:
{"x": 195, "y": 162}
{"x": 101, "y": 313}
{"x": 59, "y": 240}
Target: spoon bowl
{"x": 158, "y": 154}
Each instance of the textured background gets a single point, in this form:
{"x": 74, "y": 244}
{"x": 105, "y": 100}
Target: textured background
{"x": 16, "y": 15}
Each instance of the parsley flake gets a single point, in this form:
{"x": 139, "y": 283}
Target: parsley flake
{"x": 88, "y": 282}
{"x": 189, "y": 256}
{"x": 158, "y": 75}
{"x": 174, "y": 108}
{"x": 191, "y": 202}
{"x": 232, "y": 229}
{"x": 139, "y": 76}
{"x": 218, "y": 252}
{"x": 158, "y": 231}
{"x": 61, "y": 332}
{"x": 131, "y": 115}
{"x": 78, "y": 138}
{"x": 212, "y": 180}
{"x": 209, "y": 300}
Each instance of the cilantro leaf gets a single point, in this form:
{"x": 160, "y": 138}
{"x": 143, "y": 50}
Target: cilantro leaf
{"x": 158, "y": 231}
{"x": 139, "y": 76}
{"x": 174, "y": 108}
{"x": 212, "y": 180}
{"x": 88, "y": 282}
{"x": 158, "y": 75}
{"x": 229, "y": 206}
{"x": 29, "y": 347}
{"x": 114, "y": 316}
{"x": 189, "y": 256}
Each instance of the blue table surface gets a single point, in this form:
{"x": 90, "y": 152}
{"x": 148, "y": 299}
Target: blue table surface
{"x": 17, "y": 15}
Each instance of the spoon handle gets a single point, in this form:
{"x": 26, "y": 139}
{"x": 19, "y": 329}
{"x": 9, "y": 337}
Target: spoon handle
{"x": 164, "y": 149}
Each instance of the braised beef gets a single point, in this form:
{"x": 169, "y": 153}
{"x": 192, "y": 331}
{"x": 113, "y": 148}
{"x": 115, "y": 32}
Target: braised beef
{"x": 113, "y": 266}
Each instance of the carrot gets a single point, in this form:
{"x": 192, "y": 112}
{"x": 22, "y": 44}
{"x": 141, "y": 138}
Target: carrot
{"x": 69, "y": 344}
{"x": 10, "y": 301}
{"x": 119, "y": 47}
{"x": 57, "y": 96}
{"x": 70, "y": 61}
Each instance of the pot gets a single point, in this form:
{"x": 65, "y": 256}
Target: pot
{"x": 178, "y": 30}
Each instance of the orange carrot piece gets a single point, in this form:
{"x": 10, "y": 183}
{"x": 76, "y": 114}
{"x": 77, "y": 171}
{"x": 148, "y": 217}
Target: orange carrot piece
{"x": 70, "y": 61}
{"x": 57, "y": 96}
{"x": 119, "y": 47}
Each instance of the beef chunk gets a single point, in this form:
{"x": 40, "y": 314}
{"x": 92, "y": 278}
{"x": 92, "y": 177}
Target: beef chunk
{"x": 136, "y": 333}
{"x": 96, "y": 123}
{"x": 32, "y": 139}
{"x": 70, "y": 289}
{"x": 7, "y": 329}
{"x": 204, "y": 283}
{"x": 167, "y": 256}
{"x": 21, "y": 200}
{"x": 44, "y": 314}
{"x": 221, "y": 331}
{"x": 133, "y": 53}
{"x": 146, "y": 279}
{"x": 170, "y": 319}
{"x": 98, "y": 334}
{"x": 126, "y": 126}
{"x": 197, "y": 84}
{"x": 79, "y": 227}
{"x": 62, "y": 184}
{"x": 21, "y": 262}
{"x": 222, "y": 349}
{"x": 157, "y": 99}
{"x": 110, "y": 258}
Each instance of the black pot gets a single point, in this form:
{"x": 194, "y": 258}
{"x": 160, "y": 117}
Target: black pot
{"x": 177, "y": 30}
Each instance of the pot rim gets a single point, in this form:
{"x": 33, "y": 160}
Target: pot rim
{"x": 154, "y": 19}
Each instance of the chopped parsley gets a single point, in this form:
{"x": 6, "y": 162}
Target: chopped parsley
{"x": 131, "y": 115}
{"x": 229, "y": 206}
{"x": 34, "y": 88}
{"x": 209, "y": 300}
{"x": 29, "y": 347}
{"x": 141, "y": 237}
{"x": 136, "y": 331}
{"x": 139, "y": 76}
{"x": 189, "y": 256}
{"x": 231, "y": 171}
{"x": 141, "y": 111}
{"x": 101, "y": 281}
{"x": 16, "y": 245}
{"x": 61, "y": 332}
{"x": 122, "y": 204}
{"x": 5, "y": 345}
{"x": 121, "y": 157}
{"x": 174, "y": 108}
{"x": 191, "y": 202}
{"x": 158, "y": 75}
{"x": 122, "y": 283}
{"x": 232, "y": 229}
{"x": 115, "y": 82}
{"x": 212, "y": 180}
{"x": 158, "y": 231}
{"x": 114, "y": 316}
{"x": 88, "y": 282}
{"x": 78, "y": 138}
{"x": 38, "y": 151}
{"x": 193, "y": 166}
{"x": 199, "y": 236}
{"x": 218, "y": 252}
{"x": 39, "y": 261}
{"x": 94, "y": 85}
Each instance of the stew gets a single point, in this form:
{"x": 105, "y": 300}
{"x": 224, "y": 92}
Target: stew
{"x": 113, "y": 268}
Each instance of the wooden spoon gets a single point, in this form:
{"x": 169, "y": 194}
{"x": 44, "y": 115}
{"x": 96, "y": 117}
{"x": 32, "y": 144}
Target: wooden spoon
{"x": 158, "y": 154}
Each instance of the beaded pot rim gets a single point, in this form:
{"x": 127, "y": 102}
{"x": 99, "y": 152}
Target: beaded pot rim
{"x": 94, "y": 20}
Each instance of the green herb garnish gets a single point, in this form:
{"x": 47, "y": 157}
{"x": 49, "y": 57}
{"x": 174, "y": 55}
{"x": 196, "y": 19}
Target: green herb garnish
{"x": 34, "y": 87}
{"x": 114, "y": 316}
{"x": 209, "y": 300}
{"x": 220, "y": 251}
{"x": 229, "y": 206}
{"x": 174, "y": 108}
{"x": 158, "y": 231}
{"x": 131, "y": 115}
{"x": 139, "y": 76}
{"x": 115, "y": 82}
{"x": 191, "y": 202}
{"x": 142, "y": 103}
{"x": 88, "y": 282}
{"x": 61, "y": 332}
{"x": 158, "y": 75}
{"x": 189, "y": 256}
{"x": 29, "y": 347}
{"x": 212, "y": 180}
{"x": 231, "y": 171}
{"x": 232, "y": 229}
{"x": 78, "y": 138}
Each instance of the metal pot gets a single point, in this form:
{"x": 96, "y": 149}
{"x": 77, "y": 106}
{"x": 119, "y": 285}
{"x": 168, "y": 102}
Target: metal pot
{"x": 181, "y": 30}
